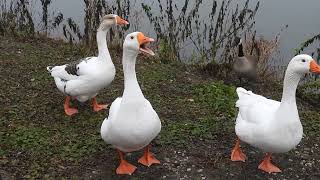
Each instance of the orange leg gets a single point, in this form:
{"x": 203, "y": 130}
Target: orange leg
{"x": 69, "y": 111}
{"x": 237, "y": 154}
{"x": 125, "y": 167}
{"x": 97, "y": 107}
{"x": 148, "y": 158}
{"x": 267, "y": 166}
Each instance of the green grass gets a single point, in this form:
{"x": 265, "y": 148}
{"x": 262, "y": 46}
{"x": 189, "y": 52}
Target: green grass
{"x": 37, "y": 135}
{"x": 217, "y": 101}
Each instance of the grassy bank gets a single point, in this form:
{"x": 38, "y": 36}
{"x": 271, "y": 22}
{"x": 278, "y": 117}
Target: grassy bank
{"x": 197, "y": 112}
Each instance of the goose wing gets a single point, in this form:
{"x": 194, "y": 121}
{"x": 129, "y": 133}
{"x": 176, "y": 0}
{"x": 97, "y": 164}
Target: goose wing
{"x": 72, "y": 70}
{"x": 255, "y": 108}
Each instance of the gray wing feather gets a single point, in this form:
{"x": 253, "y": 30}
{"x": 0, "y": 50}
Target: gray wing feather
{"x": 73, "y": 68}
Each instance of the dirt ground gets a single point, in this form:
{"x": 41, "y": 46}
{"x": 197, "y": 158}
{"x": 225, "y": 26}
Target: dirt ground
{"x": 39, "y": 141}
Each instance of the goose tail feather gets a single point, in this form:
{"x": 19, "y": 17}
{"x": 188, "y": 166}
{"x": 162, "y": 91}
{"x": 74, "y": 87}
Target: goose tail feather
{"x": 49, "y": 68}
{"x": 245, "y": 97}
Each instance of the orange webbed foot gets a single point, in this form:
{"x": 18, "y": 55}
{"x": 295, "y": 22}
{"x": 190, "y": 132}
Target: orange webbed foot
{"x": 98, "y": 107}
{"x": 237, "y": 154}
{"x": 67, "y": 109}
{"x": 70, "y": 111}
{"x": 148, "y": 158}
{"x": 267, "y": 166}
{"x": 125, "y": 168}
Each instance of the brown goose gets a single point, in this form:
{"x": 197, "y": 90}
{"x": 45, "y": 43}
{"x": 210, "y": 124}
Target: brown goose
{"x": 245, "y": 66}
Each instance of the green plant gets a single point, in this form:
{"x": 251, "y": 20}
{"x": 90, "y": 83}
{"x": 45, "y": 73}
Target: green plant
{"x": 166, "y": 52}
{"x": 219, "y": 97}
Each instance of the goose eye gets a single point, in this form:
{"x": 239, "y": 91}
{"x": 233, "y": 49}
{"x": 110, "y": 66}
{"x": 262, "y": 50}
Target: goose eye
{"x": 132, "y": 37}
{"x": 303, "y": 60}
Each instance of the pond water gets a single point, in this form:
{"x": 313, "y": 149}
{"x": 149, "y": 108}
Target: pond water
{"x": 272, "y": 15}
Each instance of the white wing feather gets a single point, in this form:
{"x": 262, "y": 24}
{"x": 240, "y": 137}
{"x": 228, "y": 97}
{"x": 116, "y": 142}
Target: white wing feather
{"x": 255, "y": 108}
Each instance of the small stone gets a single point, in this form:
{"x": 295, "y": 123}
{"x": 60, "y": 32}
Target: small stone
{"x": 309, "y": 164}
{"x": 167, "y": 159}
{"x": 61, "y": 167}
{"x": 307, "y": 149}
{"x": 252, "y": 152}
{"x": 203, "y": 177}
{"x": 189, "y": 169}
{"x": 174, "y": 169}
{"x": 199, "y": 170}
{"x": 32, "y": 79}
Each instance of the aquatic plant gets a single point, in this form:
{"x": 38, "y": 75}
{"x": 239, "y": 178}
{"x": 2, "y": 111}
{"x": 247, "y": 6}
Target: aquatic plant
{"x": 95, "y": 10}
{"x": 316, "y": 52}
{"x": 182, "y": 26}
{"x": 265, "y": 50}
{"x": 178, "y": 26}
{"x": 16, "y": 17}
{"x": 45, "y": 4}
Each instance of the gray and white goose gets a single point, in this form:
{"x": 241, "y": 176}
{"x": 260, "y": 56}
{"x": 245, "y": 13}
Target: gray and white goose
{"x": 83, "y": 79}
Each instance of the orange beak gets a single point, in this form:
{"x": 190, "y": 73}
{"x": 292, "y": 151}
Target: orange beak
{"x": 143, "y": 42}
{"x": 314, "y": 67}
{"x": 121, "y": 21}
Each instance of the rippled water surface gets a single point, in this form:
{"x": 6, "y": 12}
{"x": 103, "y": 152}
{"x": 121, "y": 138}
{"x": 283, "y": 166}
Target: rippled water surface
{"x": 300, "y": 16}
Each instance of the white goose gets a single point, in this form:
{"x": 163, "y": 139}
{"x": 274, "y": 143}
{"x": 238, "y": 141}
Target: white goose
{"x": 272, "y": 126}
{"x": 83, "y": 79}
{"x": 132, "y": 123}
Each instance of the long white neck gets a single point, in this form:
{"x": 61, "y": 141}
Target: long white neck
{"x": 102, "y": 45}
{"x": 131, "y": 85}
{"x": 290, "y": 84}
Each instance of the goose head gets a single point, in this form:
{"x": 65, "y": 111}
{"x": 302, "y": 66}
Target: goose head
{"x": 302, "y": 64}
{"x": 237, "y": 41}
{"x": 137, "y": 42}
{"x": 110, "y": 20}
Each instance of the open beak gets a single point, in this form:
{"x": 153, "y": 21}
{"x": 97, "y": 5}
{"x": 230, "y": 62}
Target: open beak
{"x": 143, "y": 42}
{"x": 314, "y": 67}
{"x": 121, "y": 21}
